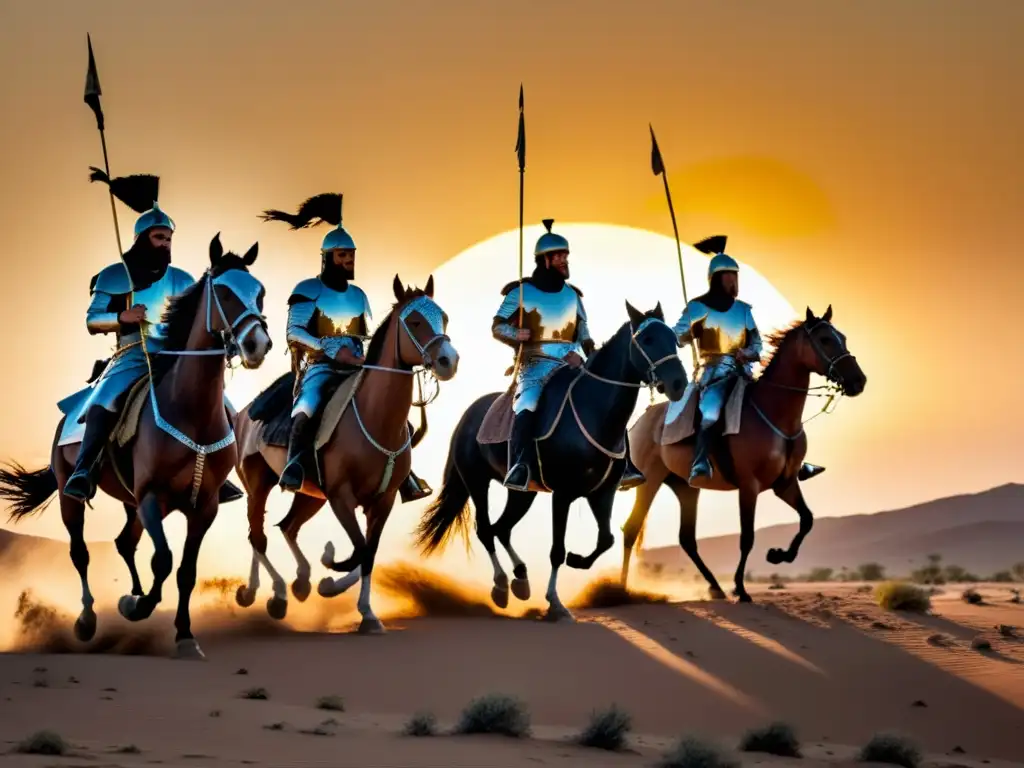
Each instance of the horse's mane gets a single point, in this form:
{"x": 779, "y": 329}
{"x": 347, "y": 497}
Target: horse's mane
{"x": 624, "y": 331}
{"x": 182, "y": 309}
{"x": 375, "y": 348}
{"x": 776, "y": 339}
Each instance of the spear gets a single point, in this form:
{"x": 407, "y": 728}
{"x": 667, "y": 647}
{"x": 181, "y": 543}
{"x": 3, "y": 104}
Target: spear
{"x": 521, "y": 155}
{"x": 658, "y": 168}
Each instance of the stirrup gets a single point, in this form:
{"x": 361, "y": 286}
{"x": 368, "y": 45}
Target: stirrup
{"x": 90, "y": 492}
{"x": 631, "y": 478}
{"x": 515, "y": 487}
{"x": 295, "y": 465}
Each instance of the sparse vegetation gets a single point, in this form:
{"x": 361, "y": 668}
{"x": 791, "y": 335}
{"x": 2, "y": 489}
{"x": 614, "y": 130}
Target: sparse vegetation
{"x": 692, "y": 752}
{"x": 43, "y": 743}
{"x": 901, "y": 596}
{"x": 776, "y": 582}
{"x": 1018, "y": 571}
{"x": 892, "y": 749}
{"x": 774, "y": 739}
{"x": 979, "y": 643}
{"x": 931, "y": 573}
{"x": 256, "y": 694}
{"x": 497, "y": 714}
{"x": 421, "y": 724}
{"x": 128, "y": 749}
{"x": 820, "y": 574}
{"x": 1001, "y": 577}
{"x": 608, "y": 729}
{"x": 1014, "y": 595}
{"x": 331, "y": 703}
{"x": 871, "y": 572}
{"x": 971, "y": 596}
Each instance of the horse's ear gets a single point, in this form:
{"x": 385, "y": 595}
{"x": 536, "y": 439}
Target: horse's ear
{"x": 250, "y": 256}
{"x": 635, "y": 317}
{"x": 810, "y": 315}
{"x": 828, "y": 314}
{"x": 399, "y": 290}
{"x": 216, "y": 249}
{"x": 658, "y": 312}
{"x": 429, "y": 290}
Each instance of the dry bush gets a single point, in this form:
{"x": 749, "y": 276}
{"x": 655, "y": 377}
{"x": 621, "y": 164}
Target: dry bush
{"x": 331, "y": 703}
{"x": 608, "y": 729}
{"x": 496, "y": 713}
{"x": 890, "y": 748}
{"x": 901, "y": 596}
{"x": 43, "y": 743}
{"x": 255, "y": 694}
{"x": 421, "y": 724}
{"x": 971, "y": 596}
{"x": 694, "y": 752}
{"x": 774, "y": 739}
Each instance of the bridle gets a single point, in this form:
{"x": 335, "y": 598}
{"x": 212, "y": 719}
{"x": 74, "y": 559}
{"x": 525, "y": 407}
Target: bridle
{"x": 649, "y": 377}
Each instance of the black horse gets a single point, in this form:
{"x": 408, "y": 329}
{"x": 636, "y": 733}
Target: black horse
{"x": 581, "y": 446}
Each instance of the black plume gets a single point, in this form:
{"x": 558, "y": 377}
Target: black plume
{"x": 315, "y": 211}
{"x": 547, "y": 224}
{"x": 711, "y": 245}
{"x": 138, "y": 192}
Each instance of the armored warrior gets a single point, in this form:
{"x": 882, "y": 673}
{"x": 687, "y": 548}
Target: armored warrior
{"x": 552, "y": 333}
{"x": 115, "y": 308}
{"x": 328, "y": 320}
{"x": 728, "y": 342}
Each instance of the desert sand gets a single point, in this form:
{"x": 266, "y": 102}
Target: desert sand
{"x": 823, "y": 658}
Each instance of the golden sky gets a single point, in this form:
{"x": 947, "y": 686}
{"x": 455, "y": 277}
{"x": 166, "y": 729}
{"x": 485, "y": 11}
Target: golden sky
{"x": 862, "y": 154}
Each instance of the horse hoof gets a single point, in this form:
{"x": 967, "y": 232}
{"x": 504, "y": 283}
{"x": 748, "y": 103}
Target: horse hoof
{"x": 371, "y": 626}
{"x": 126, "y": 605}
{"x": 572, "y": 560}
{"x": 560, "y": 615}
{"x": 499, "y": 596}
{"x": 326, "y": 587}
{"x": 774, "y": 556}
{"x": 743, "y": 597}
{"x": 85, "y": 626}
{"x": 301, "y": 589}
{"x": 277, "y": 607}
{"x": 521, "y": 588}
{"x": 245, "y": 596}
{"x": 189, "y": 650}
{"x": 327, "y": 559}
{"x": 716, "y": 593}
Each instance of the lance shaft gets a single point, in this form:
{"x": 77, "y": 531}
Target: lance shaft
{"x": 679, "y": 253}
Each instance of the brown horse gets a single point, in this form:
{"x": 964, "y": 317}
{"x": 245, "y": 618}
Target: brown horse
{"x": 363, "y": 463}
{"x": 183, "y": 448}
{"x": 768, "y": 452}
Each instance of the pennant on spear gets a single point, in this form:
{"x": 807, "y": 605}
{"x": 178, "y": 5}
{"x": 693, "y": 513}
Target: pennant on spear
{"x": 658, "y": 168}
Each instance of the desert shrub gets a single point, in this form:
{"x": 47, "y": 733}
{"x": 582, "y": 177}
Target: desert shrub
{"x": 901, "y": 596}
{"x": 693, "y": 752}
{"x": 892, "y": 749}
{"x": 820, "y": 574}
{"x": 776, "y": 582}
{"x": 43, "y": 743}
{"x": 1001, "y": 577}
{"x": 498, "y": 714}
{"x": 331, "y": 703}
{"x": 871, "y": 572}
{"x": 608, "y": 729}
{"x": 1018, "y": 571}
{"x": 971, "y": 596}
{"x": 774, "y": 739}
{"x": 421, "y": 724}
{"x": 256, "y": 694}
{"x": 1014, "y": 595}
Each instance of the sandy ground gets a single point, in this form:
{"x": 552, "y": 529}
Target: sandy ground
{"x": 822, "y": 658}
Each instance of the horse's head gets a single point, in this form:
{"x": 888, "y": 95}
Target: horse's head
{"x": 652, "y": 351}
{"x": 425, "y": 325}
{"x": 824, "y": 352}
{"x": 235, "y": 310}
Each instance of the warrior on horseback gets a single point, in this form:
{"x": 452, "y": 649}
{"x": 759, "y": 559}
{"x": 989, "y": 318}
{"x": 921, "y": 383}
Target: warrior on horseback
{"x": 118, "y": 309}
{"x": 328, "y": 319}
{"x": 729, "y": 343}
{"x": 546, "y": 321}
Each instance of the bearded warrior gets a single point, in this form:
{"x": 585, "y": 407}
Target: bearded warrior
{"x": 328, "y": 320}
{"x": 728, "y": 342}
{"x": 551, "y": 332}
{"x": 125, "y": 303}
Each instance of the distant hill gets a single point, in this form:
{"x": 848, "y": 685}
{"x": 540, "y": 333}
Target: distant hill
{"x": 15, "y": 547}
{"x": 982, "y": 532}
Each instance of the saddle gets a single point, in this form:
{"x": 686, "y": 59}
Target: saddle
{"x": 684, "y": 425}
{"x": 496, "y": 427}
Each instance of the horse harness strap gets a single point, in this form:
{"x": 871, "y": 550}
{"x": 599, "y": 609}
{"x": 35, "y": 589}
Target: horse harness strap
{"x": 389, "y": 468}
{"x": 773, "y": 428}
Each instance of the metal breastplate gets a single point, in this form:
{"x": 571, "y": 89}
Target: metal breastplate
{"x": 157, "y": 298}
{"x": 549, "y": 316}
{"x": 339, "y": 313}
{"x": 721, "y": 333}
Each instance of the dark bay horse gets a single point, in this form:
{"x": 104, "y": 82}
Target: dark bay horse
{"x": 183, "y": 449}
{"x": 365, "y": 460}
{"x": 581, "y": 421}
{"x": 767, "y": 453}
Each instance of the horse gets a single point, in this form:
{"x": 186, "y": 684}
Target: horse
{"x": 183, "y": 448}
{"x": 582, "y": 456}
{"x": 767, "y": 452}
{"x": 362, "y": 464}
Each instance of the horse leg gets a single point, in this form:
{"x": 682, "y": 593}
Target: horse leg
{"x": 198, "y": 524}
{"x": 600, "y": 502}
{"x": 789, "y": 491}
{"x": 277, "y": 605}
{"x": 127, "y": 542}
{"x": 301, "y": 512}
{"x": 72, "y": 512}
{"x": 748, "y": 506}
{"x": 343, "y": 504}
{"x": 485, "y": 534}
{"x": 132, "y": 607}
{"x": 688, "y": 498}
{"x": 559, "y": 518}
{"x": 632, "y": 531}
{"x": 517, "y": 505}
{"x": 376, "y": 517}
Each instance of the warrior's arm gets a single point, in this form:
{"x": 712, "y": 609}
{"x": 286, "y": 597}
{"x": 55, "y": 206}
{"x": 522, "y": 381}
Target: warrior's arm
{"x": 684, "y": 327}
{"x": 754, "y": 347}
{"x": 100, "y": 318}
{"x": 299, "y": 315}
{"x": 501, "y": 328}
{"x": 583, "y": 337}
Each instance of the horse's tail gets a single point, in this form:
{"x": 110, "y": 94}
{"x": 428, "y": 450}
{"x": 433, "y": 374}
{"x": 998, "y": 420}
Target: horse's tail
{"x": 26, "y": 491}
{"x": 449, "y": 513}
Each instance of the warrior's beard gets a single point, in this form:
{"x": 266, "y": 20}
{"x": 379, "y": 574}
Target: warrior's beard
{"x": 718, "y": 296}
{"x": 550, "y": 278}
{"x": 336, "y": 276}
{"x": 147, "y": 263}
